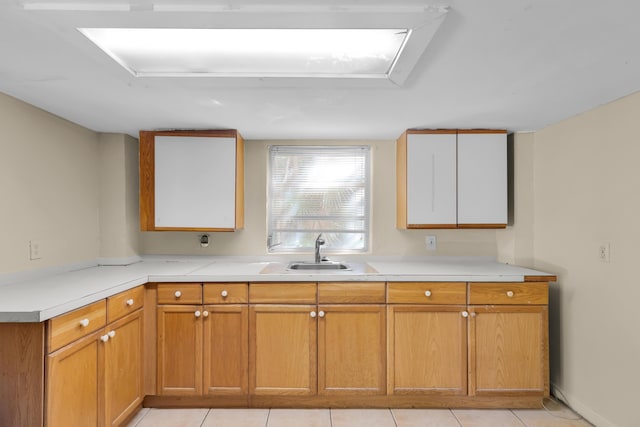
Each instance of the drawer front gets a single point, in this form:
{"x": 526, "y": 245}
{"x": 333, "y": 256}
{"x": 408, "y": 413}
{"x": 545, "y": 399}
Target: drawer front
{"x": 282, "y": 293}
{"x": 509, "y": 293}
{"x": 226, "y": 293}
{"x": 351, "y": 292}
{"x": 179, "y": 293}
{"x": 124, "y": 303}
{"x": 68, "y": 327}
{"x": 427, "y": 293}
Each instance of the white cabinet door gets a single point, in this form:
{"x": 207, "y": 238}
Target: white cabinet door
{"x": 195, "y": 182}
{"x": 431, "y": 179}
{"x": 482, "y": 178}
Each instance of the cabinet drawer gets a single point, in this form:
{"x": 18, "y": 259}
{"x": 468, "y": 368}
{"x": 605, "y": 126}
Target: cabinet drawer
{"x": 180, "y": 293}
{"x": 282, "y": 293}
{"x": 427, "y": 293}
{"x": 124, "y": 303}
{"x": 351, "y": 292}
{"x": 225, "y": 293}
{"x": 509, "y": 293}
{"x": 69, "y": 327}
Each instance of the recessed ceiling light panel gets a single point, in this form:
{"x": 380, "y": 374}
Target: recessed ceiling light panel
{"x": 148, "y": 52}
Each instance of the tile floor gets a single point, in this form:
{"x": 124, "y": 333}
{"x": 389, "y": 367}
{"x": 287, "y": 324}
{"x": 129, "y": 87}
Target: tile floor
{"x": 555, "y": 415}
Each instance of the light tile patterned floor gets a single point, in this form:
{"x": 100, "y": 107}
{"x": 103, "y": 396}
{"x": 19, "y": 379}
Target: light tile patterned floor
{"x": 555, "y": 415}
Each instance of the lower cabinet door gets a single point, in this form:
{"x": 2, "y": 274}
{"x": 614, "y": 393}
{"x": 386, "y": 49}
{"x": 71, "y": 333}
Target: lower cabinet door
{"x": 74, "y": 384}
{"x": 351, "y": 349}
{"x": 226, "y": 353}
{"x": 508, "y": 350}
{"x": 282, "y": 349}
{"x": 179, "y": 350}
{"x": 427, "y": 350}
{"x": 123, "y": 368}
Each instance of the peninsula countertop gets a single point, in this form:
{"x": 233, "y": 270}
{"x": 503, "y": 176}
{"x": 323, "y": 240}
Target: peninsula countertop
{"x": 41, "y": 298}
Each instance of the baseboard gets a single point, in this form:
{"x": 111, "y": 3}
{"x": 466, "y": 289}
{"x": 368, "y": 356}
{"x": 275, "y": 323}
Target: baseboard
{"x": 577, "y": 406}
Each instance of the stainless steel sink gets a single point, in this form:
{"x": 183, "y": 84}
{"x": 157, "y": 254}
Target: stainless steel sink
{"x": 322, "y": 265}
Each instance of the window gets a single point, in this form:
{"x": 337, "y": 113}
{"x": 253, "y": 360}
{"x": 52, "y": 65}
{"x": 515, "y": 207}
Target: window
{"x": 318, "y": 189}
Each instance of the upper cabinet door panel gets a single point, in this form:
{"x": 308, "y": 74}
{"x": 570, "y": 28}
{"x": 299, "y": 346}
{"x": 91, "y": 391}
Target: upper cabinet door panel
{"x": 482, "y": 178}
{"x": 431, "y": 179}
{"x": 194, "y": 182}
{"x": 191, "y": 180}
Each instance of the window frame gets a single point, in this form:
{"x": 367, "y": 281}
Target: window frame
{"x": 275, "y": 247}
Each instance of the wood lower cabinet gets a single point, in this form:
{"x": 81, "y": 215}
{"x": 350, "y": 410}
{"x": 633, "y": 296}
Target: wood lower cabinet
{"x": 351, "y": 349}
{"x": 202, "y": 349}
{"x": 96, "y": 380}
{"x": 282, "y": 349}
{"x": 180, "y": 350}
{"x": 509, "y": 340}
{"x": 427, "y": 350}
{"x": 74, "y": 386}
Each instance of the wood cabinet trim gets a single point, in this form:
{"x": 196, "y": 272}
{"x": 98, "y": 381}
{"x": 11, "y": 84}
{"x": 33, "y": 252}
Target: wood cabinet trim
{"x": 510, "y": 293}
{"x": 190, "y": 293}
{"x": 117, "y": 305}
{"x": 284, "y": 293}
{"x": 414, "y": 293}
{"x": 67, "y": 328}
{"x": 351, "y": 293}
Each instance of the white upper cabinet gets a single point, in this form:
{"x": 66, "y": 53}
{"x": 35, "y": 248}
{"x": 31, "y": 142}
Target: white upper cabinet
{"x": 452, "y": 179}
{"x": 431, "y": 181}
{"x": 191, "y": 180}
{"x": 482, "y": 179}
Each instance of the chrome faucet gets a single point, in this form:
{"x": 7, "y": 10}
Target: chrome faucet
{"x": 319, "y": 242}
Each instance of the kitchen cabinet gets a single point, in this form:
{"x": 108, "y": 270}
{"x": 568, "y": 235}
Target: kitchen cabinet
{"x": 202, "y": 339}
{"x": 96, "y": 378}
{"x": 508, "y": 339}
{"x": 191, "y": 180}
{"x": 351, "y": 338}
{"x": 451, "y": 179}
{"x": 282, "y": 339}
{"x": 427, "y": 338}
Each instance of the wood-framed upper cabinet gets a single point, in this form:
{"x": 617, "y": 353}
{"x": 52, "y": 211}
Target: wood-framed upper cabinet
{"x": 451, "y": 179}
{"x": 191, "y": 180}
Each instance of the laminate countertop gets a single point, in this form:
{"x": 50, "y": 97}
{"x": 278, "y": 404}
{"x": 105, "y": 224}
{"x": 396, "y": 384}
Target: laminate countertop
{"x": 35, "y": 298}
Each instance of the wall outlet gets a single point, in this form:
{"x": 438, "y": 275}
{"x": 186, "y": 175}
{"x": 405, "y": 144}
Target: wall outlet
{"x": 604, "y": 252}
{"x": 431, "y": 243}
{"x": 35, "y": 247}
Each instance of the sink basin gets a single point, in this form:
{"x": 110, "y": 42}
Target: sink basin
{"x": 324, "y": 265}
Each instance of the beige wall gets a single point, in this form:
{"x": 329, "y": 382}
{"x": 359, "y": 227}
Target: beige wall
{"x": 48, "y": 188}
{"x": 118, "y": 173}
{"x": 586, "y": 192}
{"x": 386, "y": 239}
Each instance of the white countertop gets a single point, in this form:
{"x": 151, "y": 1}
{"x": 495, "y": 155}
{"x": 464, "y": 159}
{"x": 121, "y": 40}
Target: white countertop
{"x": 39, "y": 299}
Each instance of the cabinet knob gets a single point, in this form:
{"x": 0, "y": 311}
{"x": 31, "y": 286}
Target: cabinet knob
{"x": 84, "y": 323}
{"x": 197, "y": 313}
{"x": 427, "y": 293}
{"x": 321, "y": 313}
{"x": 178, "y": 294}
{"x": 112, "y": 334}
{"x": 312, "y": 314}
{"x": 205, "y": 313}
{"x": 104, "y": 338}
{"x": 224, "y": 294}
{"x": 465, "y": 314}
{"x": 510, "y": 294}
{"x": 130, "y": 302}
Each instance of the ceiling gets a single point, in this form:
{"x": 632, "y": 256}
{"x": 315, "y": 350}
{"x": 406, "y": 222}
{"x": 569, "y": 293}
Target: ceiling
{"x": 508, "y": 64}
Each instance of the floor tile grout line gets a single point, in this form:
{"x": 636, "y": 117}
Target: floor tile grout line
{"x": 456, "y": 417}
{"x": 393, "y": 416}
{"x": 266, "y": 424}
{"x": 205, "y": 416}
{"x": 519, "y": 419}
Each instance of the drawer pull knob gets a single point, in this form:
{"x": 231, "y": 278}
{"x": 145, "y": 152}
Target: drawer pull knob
{"x": 178, "y": 294}
{"x": 205, "y": 313}
{"x": 224, "y": 294}
{"x": 112, "y": 334}
{"x": 104, "y": 338}
{"x": 465, "y": 314}
{"x": 427, "y": 294}
{"x": 197, "y": 313}
{"x": 510, "y": 294}
{"x": 312, "y": 314}
{"x": 84, "y": 323}
{"x": 130, "y": 302}
{"x": 321, "y": 313}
